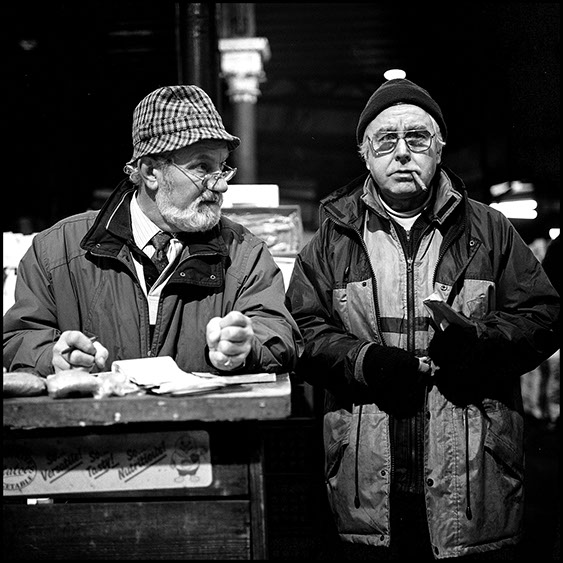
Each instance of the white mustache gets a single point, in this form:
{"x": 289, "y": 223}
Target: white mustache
{"x": 211, "y": 198}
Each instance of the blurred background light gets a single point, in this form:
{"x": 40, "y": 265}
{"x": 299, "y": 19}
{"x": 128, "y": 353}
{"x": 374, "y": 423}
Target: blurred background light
{"x": 518, "y": 208}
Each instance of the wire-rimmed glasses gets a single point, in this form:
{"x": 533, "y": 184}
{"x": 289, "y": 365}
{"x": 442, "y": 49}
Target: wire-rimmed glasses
{"x": 417, "y": 140}
{"x": 209, "y": 181}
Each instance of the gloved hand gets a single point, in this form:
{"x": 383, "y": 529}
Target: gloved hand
{"x": 393, "y": 375}
{"x": 464, "y": 364}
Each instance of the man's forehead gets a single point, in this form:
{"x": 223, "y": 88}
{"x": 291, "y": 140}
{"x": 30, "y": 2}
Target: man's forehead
{"x": 401, "y": 115}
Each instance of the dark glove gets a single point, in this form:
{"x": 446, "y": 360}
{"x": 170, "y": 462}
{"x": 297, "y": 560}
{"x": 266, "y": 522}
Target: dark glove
{"x": 464, "y": 364}
{"x": 393, "y": 377}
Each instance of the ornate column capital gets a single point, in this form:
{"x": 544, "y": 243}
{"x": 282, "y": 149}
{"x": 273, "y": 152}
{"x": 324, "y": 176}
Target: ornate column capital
{"x": 242, "y": 61}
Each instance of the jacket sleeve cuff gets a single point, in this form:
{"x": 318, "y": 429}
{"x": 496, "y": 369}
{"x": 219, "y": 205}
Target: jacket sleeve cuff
{"x": 359, "y": 365}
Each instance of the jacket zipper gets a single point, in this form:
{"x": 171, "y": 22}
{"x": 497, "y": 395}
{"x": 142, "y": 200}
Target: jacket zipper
{"x": 409, "y": 253}
{"x": 411, "y": 323}
{"x": 468, "y": 512}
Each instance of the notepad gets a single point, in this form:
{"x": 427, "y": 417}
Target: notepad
{"x": 443, "y": 315}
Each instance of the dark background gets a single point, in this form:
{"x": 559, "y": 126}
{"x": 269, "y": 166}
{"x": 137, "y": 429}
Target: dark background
{"x": 75, "y": 70}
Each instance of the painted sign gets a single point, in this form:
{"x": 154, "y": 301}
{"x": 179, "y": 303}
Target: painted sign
{"x": 96, "y": 463}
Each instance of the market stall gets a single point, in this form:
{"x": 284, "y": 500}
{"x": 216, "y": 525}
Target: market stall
{"x": 139, "y": 476}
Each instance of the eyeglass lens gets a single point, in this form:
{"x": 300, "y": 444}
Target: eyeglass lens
{"x": 417, "y": 140}
{"x": 210, "y": 180}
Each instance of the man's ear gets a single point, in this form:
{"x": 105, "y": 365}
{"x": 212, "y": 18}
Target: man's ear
{"x": 439, "y": 148}
{"x": 148, "y": 172}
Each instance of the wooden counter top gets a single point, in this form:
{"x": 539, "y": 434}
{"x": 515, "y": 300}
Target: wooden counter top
{"x": 260, "y": 401}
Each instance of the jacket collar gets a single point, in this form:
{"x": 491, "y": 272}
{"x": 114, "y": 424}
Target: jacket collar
{"x": 112, "y": 226}
{"x": 112, "y": 229}
{"x": 347, "y": 205}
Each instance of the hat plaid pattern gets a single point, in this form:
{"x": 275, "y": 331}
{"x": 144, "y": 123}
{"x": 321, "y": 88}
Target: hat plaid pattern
{"x": 175, "y": 116}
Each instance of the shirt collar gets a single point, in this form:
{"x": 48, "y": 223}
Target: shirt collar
{"x": 143, "y": 228}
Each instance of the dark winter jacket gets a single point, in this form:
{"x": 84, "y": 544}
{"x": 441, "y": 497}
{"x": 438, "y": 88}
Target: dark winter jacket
{"x": 472, "y": 256}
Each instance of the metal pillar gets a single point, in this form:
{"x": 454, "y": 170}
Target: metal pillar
{"x": 245, "y": 128}
{"x": 197, "y": 47}
{"x": 242, "y": 66}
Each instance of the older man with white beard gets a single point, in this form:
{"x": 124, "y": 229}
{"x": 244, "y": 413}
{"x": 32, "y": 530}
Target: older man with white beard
{"x": 157, "y": 271}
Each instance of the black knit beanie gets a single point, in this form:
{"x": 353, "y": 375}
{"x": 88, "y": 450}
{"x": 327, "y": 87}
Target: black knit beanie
{"x": 392, "y": 92}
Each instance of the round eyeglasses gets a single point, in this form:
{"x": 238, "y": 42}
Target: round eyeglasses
{"x": 209, "y": 181}
{"x": 418, "y": 140}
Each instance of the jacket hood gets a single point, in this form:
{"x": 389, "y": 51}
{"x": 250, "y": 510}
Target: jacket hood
{"x": 105, "y": 233}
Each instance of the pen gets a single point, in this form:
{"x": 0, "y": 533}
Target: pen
{"x": 71, "y": 348}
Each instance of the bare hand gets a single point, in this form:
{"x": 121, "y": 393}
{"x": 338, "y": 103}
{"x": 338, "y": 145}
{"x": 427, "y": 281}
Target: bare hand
{"x": 74, "y": 350}
{"x": 229, "y": 340}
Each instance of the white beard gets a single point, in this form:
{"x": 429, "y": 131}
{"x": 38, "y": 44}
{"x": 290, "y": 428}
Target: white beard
{"x": 201, "y": 215}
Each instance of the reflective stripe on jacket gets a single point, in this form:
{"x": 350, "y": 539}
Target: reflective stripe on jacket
{"x": 473, "y": 457}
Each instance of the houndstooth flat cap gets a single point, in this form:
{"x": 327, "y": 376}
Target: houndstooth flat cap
{"x": 172, "y": 117}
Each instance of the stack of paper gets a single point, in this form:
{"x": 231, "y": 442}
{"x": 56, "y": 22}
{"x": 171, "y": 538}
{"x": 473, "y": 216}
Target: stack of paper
{"x": 162, "y": 375}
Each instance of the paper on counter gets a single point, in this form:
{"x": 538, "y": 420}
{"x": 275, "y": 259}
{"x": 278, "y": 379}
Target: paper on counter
{"x": 162, "y": 375}
{"x": 242, "y": 378}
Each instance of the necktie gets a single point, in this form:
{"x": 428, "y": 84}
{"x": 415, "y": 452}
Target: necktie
{"x": 161, "y": 241}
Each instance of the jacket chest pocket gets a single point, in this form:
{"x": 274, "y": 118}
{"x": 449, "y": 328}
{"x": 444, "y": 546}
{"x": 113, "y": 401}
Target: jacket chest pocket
{"x": 476, "y": 298}
{"x": 355, "y": 306}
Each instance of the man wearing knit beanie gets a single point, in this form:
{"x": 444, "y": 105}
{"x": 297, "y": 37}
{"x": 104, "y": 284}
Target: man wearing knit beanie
{"x": 419, "y": 308}
{"x": 395, "y": 91}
